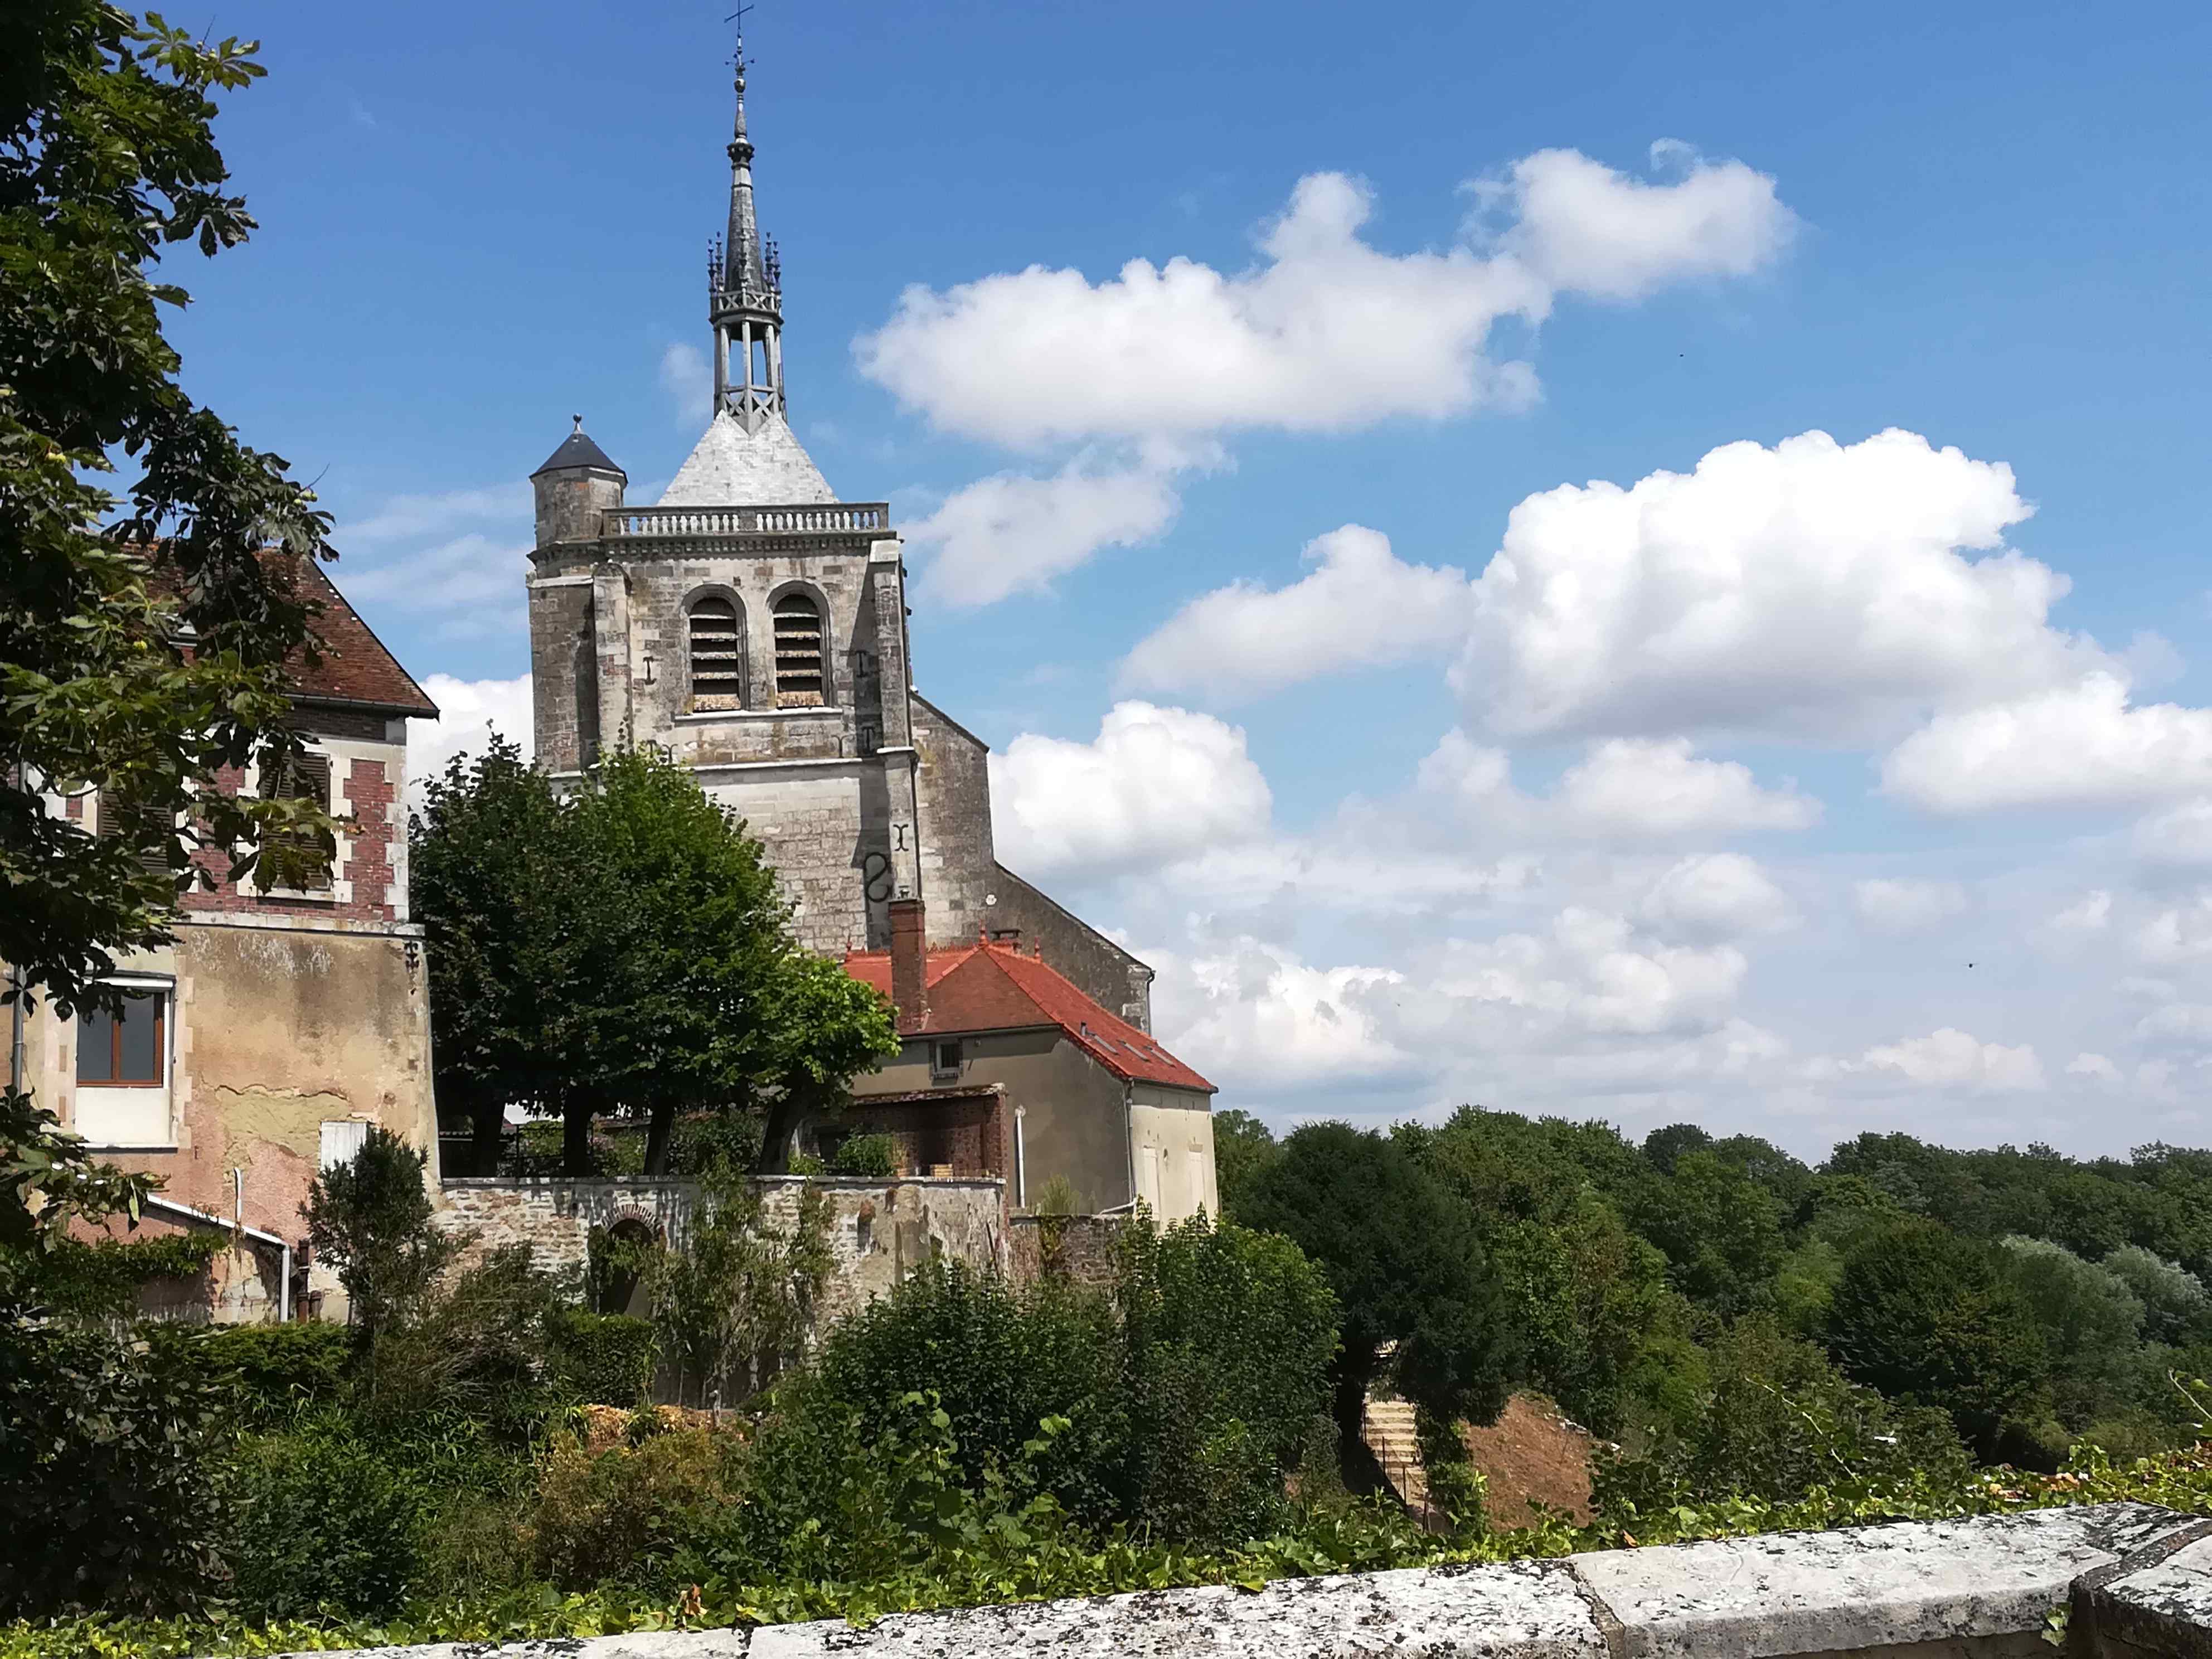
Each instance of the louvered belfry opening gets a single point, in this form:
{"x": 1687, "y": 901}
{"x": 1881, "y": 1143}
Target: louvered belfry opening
{"x": 798, "y": 656}
{"x": 718, "y": 655}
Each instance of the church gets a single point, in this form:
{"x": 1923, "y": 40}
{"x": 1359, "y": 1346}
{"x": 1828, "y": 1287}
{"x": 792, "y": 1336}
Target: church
{"x": 754, "y": 625}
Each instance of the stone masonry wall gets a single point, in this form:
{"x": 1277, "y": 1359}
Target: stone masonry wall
{"x": 2135, "y": 1580}
{"x": 879, "y": 1230}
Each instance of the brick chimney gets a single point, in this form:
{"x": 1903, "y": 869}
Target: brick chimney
{"x": 909, "y": 966}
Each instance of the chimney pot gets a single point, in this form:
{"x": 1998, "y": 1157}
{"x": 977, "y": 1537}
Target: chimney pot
{"x": 909, "y": 972}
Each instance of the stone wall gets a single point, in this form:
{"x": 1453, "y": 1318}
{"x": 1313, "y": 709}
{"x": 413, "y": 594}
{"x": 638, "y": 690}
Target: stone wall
{"x": 953, "y": 785}
{"x": 1078, "y": 1248}
{"x": 1100, "y": 968}
{"x": 2135, "y": 1581}
{"x": 879, "y": 1230}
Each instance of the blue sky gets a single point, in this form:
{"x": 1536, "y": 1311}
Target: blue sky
{"x": 1727, "y": 860}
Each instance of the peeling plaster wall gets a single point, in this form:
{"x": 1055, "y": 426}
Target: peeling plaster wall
{"x": 275, "y": 1029}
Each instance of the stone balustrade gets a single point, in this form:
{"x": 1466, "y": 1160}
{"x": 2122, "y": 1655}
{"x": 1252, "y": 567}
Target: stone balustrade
{"x": 2133, "y": 1581}
{"x": 632, "y": 524}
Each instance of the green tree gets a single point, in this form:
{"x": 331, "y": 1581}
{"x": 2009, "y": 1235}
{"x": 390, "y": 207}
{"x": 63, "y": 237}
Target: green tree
{"x": 2092, "y": 1326}
{"x": 501, "y": 885}
{"x": 624, "y": 948}
{"x": 1663, "y": 1145}
{"x": 107, "y": 155}
{"x": 370, "y": 1219}
{"x": 1720, "y": 1230}
{"x": 1242, "y": 1145}
{"x": 1922, "y": 1313}
{"x": 2176, "y": 1310}
{"x": 1400, "y": 1250}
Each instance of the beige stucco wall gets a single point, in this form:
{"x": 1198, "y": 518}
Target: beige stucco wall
{"x": 1074, "y": 1122}
{"x": 275, "y": 1030}
{"x": 1171, "y": 1133}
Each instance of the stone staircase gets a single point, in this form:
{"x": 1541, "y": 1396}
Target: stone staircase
{"x": 1387, "y": 1427}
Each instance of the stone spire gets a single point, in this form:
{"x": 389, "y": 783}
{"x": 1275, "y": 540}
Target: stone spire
{"x": 745, "y": 297}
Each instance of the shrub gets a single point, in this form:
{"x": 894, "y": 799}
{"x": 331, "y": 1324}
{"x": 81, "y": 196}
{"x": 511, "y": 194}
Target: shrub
{"x": 734, "y": 1305}
{"x": 107, "y": 1493}
{"x": 618, "y": 1516}
{"x": 2091, "y": 1323}
{"x": 1774, "y": 1420}
{"x": 277, "y": 1369}
{"x": 2175, "y": 1307}
{"x": 479, "y": 1351}
{"x": 370, "y": 1220}
{"x": 1228, "y": 1337}
{"x": 102, "y": 1279}
{"x": 323, "y": 1518}
{"x": 998, "y": 1362}
{"x": 604, "y": 1359}
{"x": 866, "y": 1155}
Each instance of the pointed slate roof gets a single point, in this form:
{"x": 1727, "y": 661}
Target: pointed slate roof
{"x": 732, "y": 467}
{"x": 990, "y": 986}
{"x": 577, "y": 449}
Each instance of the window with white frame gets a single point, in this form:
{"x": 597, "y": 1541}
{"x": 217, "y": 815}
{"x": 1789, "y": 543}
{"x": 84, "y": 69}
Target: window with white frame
{"x": 123, "y": 1070}
{"x": 298, "y": 860}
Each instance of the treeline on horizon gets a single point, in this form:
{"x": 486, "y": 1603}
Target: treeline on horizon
{"x": 1730, "y": 1317}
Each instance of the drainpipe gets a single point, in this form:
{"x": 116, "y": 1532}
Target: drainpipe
{"x": 1129, "y": 1136}
{"x": 17, "y": 1066}
{"x": 170, "y": 1206}
{"x": 1021, "y": 1163}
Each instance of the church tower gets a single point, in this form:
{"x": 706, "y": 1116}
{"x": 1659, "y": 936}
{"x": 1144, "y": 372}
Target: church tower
{"x": 755, "y": 626}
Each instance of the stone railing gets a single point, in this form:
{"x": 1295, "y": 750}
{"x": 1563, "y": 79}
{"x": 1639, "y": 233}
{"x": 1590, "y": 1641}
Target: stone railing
{"x": 695, "y": 523}
{"x": 2117, "y": 1580}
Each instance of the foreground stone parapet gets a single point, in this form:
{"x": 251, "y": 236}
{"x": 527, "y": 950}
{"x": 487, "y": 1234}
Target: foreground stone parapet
{"x": 2157, "y": 1604}
{"x": 1982, "y": 1585}
{"x": 1518, "y": 1610}
{"x": 2135, "y": 1580}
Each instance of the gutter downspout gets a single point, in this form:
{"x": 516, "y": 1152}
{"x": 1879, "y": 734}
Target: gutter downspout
{"x": 17, "y": 1066}
{"x": 155, "y": 1201}
{"x": 1129, "y": 1136}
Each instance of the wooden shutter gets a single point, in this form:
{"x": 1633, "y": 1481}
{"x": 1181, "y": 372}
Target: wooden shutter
{"x": 798, "y": 653}
{"x": 296, "y": 859}
{"x": 718, "y": 655}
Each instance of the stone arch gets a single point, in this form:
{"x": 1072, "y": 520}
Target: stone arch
{"x": 804, "y": 671}
{"x": 717, "y": 655}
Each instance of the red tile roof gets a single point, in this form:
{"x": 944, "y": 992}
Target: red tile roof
{"x": 354, "y": 667}
{"x": 990, "y": 986}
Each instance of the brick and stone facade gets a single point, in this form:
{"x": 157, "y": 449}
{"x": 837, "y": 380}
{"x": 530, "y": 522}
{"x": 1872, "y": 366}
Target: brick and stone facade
{"x": 282, "y": 1021}
{"x": 755, "y": 626}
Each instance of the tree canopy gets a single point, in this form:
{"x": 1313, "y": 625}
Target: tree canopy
{"x": 142, "y": 633}
{"x": 621, "y": 947}
{"x": 1404, "y": 1263}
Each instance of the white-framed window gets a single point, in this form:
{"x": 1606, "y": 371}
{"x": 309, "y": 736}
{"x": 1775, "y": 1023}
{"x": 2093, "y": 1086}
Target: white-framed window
{"x": 297, "y": 862}
{"x": 123, "y": 1062}
{"x": 944, "y": 1058}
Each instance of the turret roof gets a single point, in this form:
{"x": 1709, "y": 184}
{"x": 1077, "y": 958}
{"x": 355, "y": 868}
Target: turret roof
{"x": 577, "y": 449}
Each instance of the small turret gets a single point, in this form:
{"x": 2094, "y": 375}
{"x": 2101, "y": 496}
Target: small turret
{"x": 575, "y": 485}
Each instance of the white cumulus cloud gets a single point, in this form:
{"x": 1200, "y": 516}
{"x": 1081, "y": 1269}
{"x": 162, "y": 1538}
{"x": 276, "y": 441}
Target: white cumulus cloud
{"x": 1716, "y": 896}
{"x": 2180, "y": 835}
{"x": 1327, "y": 332}
{"x": 1361, "y": 608}
{"x": 1905, "y": 905}
{"x": 469, "y": 711}
{"x": 1657, "y": 787}
{"x": 1813, "y": 590}
{"x": 1951, "y": 1059}
{"x": 1155, "y": 784}
{"x": 1583, "y": 228}
{"x": 1010, "y": 533}
{"x": 2084, "y": 743}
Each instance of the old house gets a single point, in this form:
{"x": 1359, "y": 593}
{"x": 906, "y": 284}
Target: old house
{"x": 755, "y": 626}
{"x": 291, "y": 1013}
{"x": 1003, "y": 1057}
